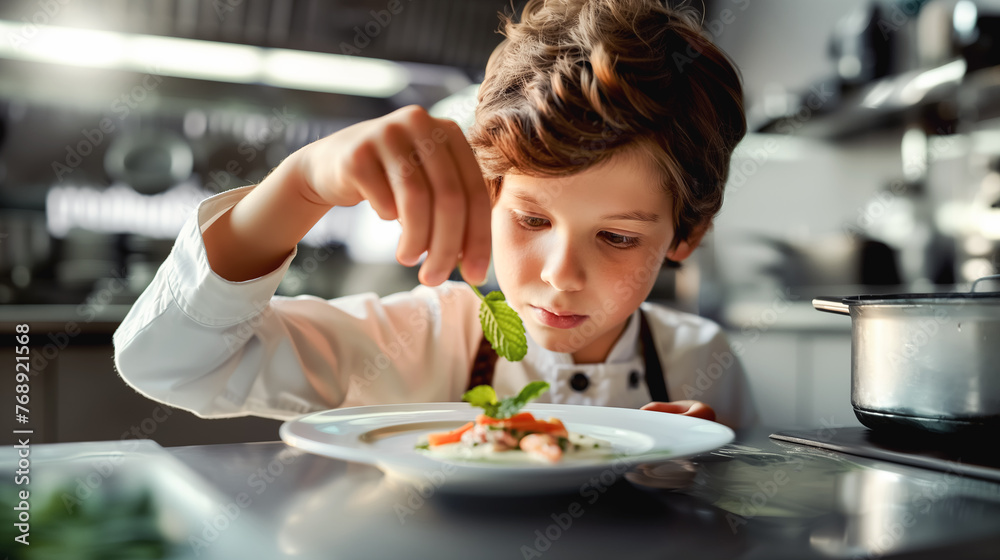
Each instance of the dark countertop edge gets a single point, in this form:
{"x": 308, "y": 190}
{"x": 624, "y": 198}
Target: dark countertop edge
{"x": 82, "y": 313}
{"x": 83, "y": 323}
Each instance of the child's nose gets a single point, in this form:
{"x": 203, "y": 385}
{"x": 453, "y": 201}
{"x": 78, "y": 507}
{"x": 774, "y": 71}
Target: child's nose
{"x": 563, "y": 269}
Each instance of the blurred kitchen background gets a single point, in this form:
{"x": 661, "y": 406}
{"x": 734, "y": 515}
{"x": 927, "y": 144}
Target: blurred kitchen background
{"x": 873, "y": 165}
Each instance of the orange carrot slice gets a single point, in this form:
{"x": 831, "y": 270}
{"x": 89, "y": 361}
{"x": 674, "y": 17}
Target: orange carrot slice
{"x": 525, "y": 422}
{"x": 551, "y": 426}
{"x": 453, "y": 436}
{"x": 487, "y": 421}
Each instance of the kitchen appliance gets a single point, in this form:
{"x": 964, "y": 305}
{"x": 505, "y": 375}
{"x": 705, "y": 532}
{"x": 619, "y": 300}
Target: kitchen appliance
{"x": 924, "y": 363}
{"x": 861, "y": 46}
{"x": 955, "y": 456}
{"x": 151, "y": 161}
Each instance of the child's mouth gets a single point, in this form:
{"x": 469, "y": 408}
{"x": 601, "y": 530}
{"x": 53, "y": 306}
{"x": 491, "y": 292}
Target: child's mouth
{"x": 550, "y": 319}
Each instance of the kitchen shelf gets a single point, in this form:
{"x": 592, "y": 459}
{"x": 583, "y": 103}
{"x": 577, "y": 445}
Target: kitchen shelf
{"x": 889, "y": 101}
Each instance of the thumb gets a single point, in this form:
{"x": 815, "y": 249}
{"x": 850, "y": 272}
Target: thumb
{"x": 696, "y": 409}
{"x": 672, "y": 408}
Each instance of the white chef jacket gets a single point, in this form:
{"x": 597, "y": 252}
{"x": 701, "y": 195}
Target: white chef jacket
{"x": 221, "y": 349}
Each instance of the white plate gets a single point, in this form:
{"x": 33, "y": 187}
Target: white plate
{"x": 385, "y": 436}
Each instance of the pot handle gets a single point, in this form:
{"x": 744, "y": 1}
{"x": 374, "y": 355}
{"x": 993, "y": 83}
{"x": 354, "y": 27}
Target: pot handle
{"x": 990, "y": 277}
{"x": 832, "y": 305}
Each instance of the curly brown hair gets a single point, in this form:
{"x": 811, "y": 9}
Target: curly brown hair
{"x": 577, "y": 81}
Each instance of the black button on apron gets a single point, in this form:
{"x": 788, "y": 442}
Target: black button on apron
{"x": 633, "y": 379}
{"x": 579, "y": 381}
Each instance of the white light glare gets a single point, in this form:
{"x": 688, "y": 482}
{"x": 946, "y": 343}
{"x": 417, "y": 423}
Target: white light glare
{"x": 205, "y": 60}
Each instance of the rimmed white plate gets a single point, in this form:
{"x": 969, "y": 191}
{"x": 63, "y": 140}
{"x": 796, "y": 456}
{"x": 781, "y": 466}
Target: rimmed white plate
{"x": 386, "y": 436}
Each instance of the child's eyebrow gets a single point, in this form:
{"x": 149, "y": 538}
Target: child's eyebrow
{"x": 634, "y": 215}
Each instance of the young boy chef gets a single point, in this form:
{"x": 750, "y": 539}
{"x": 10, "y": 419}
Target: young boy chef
{"x": 600, "y": 148}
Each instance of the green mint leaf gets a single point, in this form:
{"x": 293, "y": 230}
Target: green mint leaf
{"x": 481, "y": 395}
{"x": 531, "y": 391}
{"x": 510, "y": 406}
{"x": 507, "y": 408}
{"x": 484, "y": 397}
{"x": 503, "y": 327}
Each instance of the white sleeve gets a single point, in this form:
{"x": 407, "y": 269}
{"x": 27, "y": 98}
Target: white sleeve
{"x": 220, "y": 349}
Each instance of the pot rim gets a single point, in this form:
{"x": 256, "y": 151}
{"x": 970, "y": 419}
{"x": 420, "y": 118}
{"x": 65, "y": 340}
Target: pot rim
{"x": 922, "y": 299}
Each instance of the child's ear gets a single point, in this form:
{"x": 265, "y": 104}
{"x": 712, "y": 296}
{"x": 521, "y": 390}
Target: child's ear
{"x": 686, "y": 247}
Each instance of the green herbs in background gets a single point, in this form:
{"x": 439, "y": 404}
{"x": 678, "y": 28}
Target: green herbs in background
{"x": 112, "y": 524}
{"x": 485, "y": 398}
{"x": 502, "y": 326}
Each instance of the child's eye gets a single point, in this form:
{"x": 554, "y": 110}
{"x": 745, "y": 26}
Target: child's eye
{"x": 530, "y": 222}
{"x": 613, "y": 239}
{"x": 620, "y": 241}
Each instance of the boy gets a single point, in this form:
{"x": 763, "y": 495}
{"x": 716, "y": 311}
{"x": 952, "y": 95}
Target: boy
{"x": 596, "y": 154}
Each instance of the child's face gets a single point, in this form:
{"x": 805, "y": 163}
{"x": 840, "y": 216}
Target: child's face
{"x": 572, "y": 245}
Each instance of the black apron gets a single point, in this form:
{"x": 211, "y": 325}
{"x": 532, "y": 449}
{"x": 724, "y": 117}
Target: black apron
{"x": 486, "y": 359}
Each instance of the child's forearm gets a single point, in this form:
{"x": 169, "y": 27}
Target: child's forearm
{"x": 257, "y": 234}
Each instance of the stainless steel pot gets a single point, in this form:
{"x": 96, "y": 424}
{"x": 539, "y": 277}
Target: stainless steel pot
{"x": 924, "y": 362}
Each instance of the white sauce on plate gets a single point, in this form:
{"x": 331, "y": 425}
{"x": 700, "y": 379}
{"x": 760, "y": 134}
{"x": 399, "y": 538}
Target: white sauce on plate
{"x": 580, "y": 448}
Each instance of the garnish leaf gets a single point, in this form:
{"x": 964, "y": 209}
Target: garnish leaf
{"x": 484, "y": 397}
{"x": 502, "y": 327}
{"x": 481, "y": 396}
{"x": 532, "y": 391}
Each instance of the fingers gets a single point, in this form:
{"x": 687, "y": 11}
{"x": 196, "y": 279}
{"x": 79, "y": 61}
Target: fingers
{"x": 477, "y": 242}
{"x": 369, "y": 171}
{"x": 421, "y": 171}
{"x": 439, "y": 195}
{"x": 411, "y": 193}
{"x": 450, "y": 210}
{"x": 696, "y": 409}
{"x": 669, "y": 407}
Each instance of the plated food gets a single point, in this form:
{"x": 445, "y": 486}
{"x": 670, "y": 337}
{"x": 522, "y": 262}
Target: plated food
{"x": 384, "y": 435}
{"x": 502, "y": 433}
